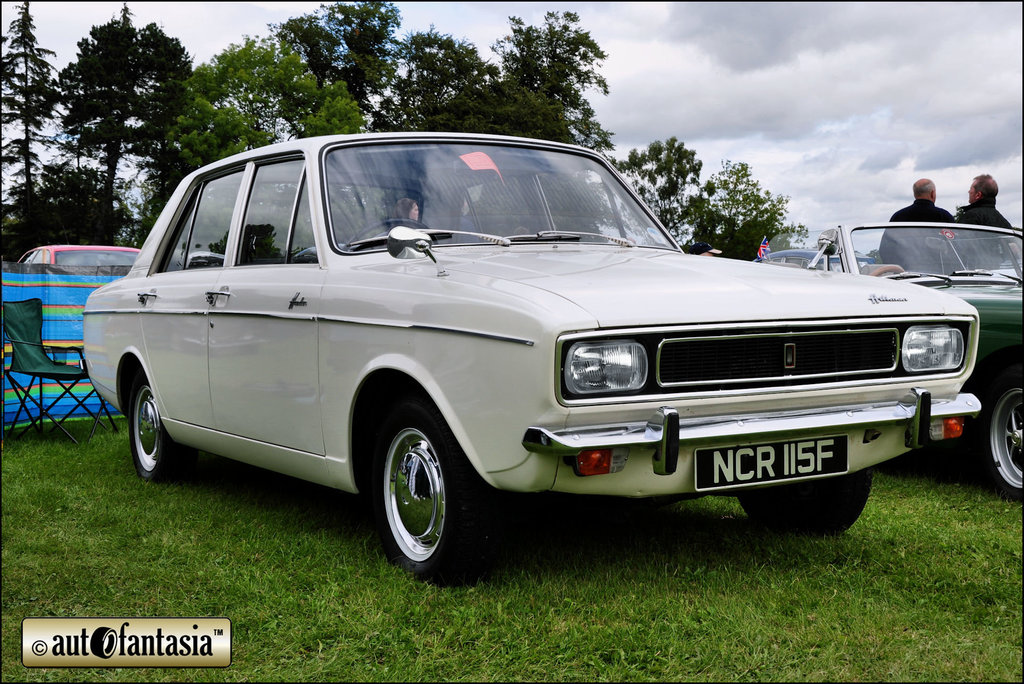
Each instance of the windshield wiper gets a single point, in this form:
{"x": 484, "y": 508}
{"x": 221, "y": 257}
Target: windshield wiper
{"x": 382, "y": 240}
{"x": 915, "y": 274}
{"x": 986, "y": 273}
{"x": 435, "y": 235}
{"x": 553, "y": 235}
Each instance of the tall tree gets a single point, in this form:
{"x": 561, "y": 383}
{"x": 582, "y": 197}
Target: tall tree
{"x": 559, "y": 61}
{"x": 444, "y": 85}
{"x": 30, "y": 97}
{"x": 349, "y": 42}
{"x": 254, "y": 94}
{"x": 734, "y": 213}
{"x": 119, "y": 95}
{"x": 667, "y": 177}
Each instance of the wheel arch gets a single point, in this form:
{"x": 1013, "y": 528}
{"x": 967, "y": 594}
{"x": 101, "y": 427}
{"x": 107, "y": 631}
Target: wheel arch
{"x": 371, "y": 403}
{"x": 991, "y": 366}
{"x": 127, "y": 368}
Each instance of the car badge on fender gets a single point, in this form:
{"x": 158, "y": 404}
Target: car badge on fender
{"x": 878, "y": 299}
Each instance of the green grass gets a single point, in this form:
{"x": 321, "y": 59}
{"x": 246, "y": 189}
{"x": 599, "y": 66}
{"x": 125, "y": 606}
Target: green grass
{"x": 926, "y": 586}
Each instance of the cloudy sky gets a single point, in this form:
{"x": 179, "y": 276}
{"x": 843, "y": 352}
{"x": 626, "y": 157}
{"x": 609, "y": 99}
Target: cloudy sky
{"x": 838, "y": 106}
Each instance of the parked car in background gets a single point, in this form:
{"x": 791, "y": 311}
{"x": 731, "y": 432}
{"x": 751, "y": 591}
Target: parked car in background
{"x": 981, "y": 265}
{"x": 534, "y": 329}
{"x": 801, "y": 257}
{"x": 81, "y": 255}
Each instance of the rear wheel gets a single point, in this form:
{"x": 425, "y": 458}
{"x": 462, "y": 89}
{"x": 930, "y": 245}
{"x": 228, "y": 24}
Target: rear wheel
{"x": 156, "y": 456}
{"x": 1000, "y": 432}
{"x": 822, "y": 507}
{"x": 432, "y": 510}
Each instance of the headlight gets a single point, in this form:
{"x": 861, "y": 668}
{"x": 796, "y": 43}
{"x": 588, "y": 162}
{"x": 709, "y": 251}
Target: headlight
{"x": 607, "y": 366}
{"x": 932, "y": 348}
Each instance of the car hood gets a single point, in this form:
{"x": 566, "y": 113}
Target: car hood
{"x": 624, "y": 287}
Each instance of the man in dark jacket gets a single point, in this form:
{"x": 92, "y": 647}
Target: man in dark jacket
{"x": 923, "y": 208}
{"x": 982, "y": 208}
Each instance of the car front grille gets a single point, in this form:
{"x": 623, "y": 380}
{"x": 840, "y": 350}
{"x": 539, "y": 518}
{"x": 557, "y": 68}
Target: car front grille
{"x": 775, "y": 357}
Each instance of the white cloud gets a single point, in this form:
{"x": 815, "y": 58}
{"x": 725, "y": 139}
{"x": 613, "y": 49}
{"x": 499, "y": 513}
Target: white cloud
{"x": 839, "y": 106}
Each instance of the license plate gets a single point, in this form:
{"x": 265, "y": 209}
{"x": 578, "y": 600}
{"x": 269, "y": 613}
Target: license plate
{"x": 738, "y": 466}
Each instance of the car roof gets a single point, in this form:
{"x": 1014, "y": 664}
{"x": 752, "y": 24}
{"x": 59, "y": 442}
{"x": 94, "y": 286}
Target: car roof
{"x": 316, "y": 143}
{"x": 84, "y": 248}
{"x": 932, "y": 224}
{"x": 66, "y": 248}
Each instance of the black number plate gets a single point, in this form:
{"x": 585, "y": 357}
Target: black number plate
{"x": 721, "y": 467}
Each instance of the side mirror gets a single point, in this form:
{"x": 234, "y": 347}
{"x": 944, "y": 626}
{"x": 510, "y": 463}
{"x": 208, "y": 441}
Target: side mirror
{"x": 828, "y": 240}
{"x": 408, "y": 243}
{"x": 828, "y": 243}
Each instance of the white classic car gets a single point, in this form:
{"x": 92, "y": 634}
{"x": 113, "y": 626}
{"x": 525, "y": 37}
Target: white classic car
{"x": 532, "y": 328}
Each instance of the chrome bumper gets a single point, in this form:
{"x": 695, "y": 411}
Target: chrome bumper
{"x": 666, "y": 431}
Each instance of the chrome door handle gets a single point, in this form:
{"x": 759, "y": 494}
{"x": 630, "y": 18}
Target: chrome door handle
{"x": 211, "y": 296}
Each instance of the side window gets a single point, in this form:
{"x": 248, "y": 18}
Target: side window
{"x": 201, "y": 235}
{"x": 268, "y": 216}
{"x": 303, "y": 247}
{"x": 209, "y": 237}
{"x": 175, "y": 259}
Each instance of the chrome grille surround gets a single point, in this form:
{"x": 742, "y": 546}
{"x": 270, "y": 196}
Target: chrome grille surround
{"x": 883, "y": 367}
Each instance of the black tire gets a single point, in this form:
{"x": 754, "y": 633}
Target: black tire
{"x": 433, "y": 512}
{"x": 818, "y": 507}
{"x": 156, "y": 456}
{"x": 998, "y": 432}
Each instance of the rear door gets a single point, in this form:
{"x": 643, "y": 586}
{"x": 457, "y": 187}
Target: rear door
{"x": 263, "y": 323}
{"x": 176, "y": 302}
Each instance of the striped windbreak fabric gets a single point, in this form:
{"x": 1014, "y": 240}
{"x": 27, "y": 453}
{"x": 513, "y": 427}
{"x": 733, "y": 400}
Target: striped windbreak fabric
{"x": 63, "y": 290}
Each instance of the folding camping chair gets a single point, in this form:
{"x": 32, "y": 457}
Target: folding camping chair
{"x": 23, "y": 330}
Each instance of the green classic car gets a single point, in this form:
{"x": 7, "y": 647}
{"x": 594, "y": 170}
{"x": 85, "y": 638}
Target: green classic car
{"x": 982, "y": 265}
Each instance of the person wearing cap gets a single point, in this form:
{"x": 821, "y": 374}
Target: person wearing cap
{"x": 704, "y": 249}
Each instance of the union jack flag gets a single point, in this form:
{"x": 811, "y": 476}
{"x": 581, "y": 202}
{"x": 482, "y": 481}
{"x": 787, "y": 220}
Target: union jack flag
{"x": 764, "y": 249}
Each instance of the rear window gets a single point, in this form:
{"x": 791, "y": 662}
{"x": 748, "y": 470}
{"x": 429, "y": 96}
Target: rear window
{"x": 94, "y": 257}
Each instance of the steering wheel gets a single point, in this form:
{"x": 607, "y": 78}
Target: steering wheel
{"x": 886, "y": 269}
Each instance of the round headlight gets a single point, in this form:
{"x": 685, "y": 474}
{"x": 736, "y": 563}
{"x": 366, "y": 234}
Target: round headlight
{"x": 605, "y": 366}
{"x": 932, "y": 348}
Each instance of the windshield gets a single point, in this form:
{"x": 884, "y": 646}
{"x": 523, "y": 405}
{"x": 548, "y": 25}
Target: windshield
{"x": 496, "y": 190}
{"x": 937, "y": 250}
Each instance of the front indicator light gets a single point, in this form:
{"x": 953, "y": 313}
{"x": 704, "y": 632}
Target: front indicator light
{"x": 946, "y": 428}
{"x": 599, "y": 461}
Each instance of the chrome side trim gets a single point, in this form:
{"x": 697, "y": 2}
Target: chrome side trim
{"x": 432, "y": 328}
{"x": 324, "y": 319}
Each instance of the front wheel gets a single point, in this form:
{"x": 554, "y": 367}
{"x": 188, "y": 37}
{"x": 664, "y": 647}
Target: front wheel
{"x": 822, "y": 507}
{"x": 432, "y": 510}
{"x": 156, "y": 456}
{"x": 1000, "y": 432}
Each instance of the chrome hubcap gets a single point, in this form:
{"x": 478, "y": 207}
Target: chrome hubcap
{"x": 415, "y": 499}
{"x": 147, "y": 427}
